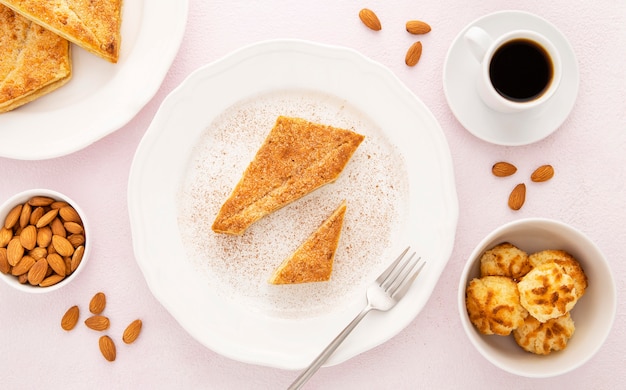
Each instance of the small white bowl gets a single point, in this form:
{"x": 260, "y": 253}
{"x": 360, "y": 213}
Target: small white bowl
{"x": 22, "y": 198}
{"x": 593, "y": 314}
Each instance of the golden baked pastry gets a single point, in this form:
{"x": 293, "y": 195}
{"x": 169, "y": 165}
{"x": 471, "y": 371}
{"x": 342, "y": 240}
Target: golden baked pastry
{"x": 296, "y": 158}
{"x": 93, "y": 25}
{"x": 547, "y": 292}
{"x": 543, "y": 338}
{"x": 313, "y": 260}
{"x": 33, "y": 60}
{"x": 568, "y": 264}
{"x": 505, "y": 259}
{"x": 493, "y": 305}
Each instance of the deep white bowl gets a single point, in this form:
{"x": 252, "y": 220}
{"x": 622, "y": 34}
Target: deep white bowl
{"x": 23, "y": 197}
{"x": 593, "y": 314}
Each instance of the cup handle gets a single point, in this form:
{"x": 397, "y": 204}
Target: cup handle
{"x": 478, "y": 41}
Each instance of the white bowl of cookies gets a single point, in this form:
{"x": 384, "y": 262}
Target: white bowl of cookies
{"x": 537, "y": 298}
{"x": 44, "y": 240}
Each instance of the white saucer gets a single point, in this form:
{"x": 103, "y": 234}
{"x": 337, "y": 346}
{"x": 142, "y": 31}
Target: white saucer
{"x": 459, "y": 83}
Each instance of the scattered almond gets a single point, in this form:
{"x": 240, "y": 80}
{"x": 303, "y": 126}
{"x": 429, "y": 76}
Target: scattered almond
{"x": 369, "y": 19}
{"x": 517, "y": 197}
{"x": 543, "y": 173}
{"x": 107, "y": 348}
{"x": 503, "y": 169}
{"x": 97, "y": 303}
{"x": 132, "y": 331}
{"x": 70, "y": 318}
{"x": 413, "y": 54}
{"x": 417, "y": 27}
{"x": 97, "y": 322}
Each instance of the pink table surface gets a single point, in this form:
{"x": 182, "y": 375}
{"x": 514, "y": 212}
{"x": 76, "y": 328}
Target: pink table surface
{"x": 588, "y": 191}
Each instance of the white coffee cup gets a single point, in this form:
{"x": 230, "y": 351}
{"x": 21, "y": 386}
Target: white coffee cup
{"x": 519, "y": 70}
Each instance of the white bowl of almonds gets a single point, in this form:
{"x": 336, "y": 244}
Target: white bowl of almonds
{"x": 43, "y": 240}
{"x": 537, "y": 298}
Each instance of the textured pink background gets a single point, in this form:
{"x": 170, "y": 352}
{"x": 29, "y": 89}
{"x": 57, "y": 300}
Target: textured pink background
{"x": 588, "y": 192}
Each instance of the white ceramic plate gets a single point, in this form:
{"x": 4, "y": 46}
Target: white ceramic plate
{"x": 101, "y": 97}
{"x": 399, "y": 187}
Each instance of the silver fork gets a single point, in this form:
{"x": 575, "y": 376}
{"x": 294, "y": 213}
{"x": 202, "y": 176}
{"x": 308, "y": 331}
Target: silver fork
{"x": 382, "y": 295}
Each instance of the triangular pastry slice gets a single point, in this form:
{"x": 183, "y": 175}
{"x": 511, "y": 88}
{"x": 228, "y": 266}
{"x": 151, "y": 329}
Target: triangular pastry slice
{"x": 296, "y": 158}
{"x": 91, "y": 24}
{"x": 313, "y": 260}
{"x": 33, "y": 60}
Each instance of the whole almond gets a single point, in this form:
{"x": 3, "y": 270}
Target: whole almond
{"x": 44, "y": 236}
{"x": 417, "y": 27}
{"x": 38, "y": 252}
{"x": 73, "y": 227}
{"x": 51, "y": 280}
{"x": 69, "y": 214}
{"x": 38, "y": 271}
{"x": 13, "y": 216}
{"x": 38, "y": 201}
{"x": 97, "y": 303}
{"x": 62, "y": 245}
{"x": 5, "y": 236}
{"x": 5, "y": 267}
{"x": 517, "y": 197}
{"x": 28, "y": 237}
{"x": 47, "y": 218}
{"x": 15, "y": 251}
{"x": 70, "y": 318}
{"x": 107, "y": 348}
{"x": 543, "y": 173}
{"x": 77, "y": 257}
{"x": 413, "y": 54}
{"x": 56, "y": 262}
{"x": 23, "y": 266}
{"x": 132, "y": 332}
{"x": 57, "y": 228}
{"x": 97, "y": 322}
{"x": 25, "y": 215}
{"x": 369, "y": 19}
{"x": 76, "y": 240}
{"x": 503, "y": 169}
{"x": 37, "y": 213}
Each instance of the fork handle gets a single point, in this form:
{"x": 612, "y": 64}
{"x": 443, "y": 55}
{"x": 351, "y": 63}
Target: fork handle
{"x": 328, "y": 351}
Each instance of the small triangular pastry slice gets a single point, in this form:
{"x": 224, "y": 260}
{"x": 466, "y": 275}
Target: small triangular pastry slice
{"x": 92, "y": 25}
{"x": 313, "y": 260}
{"x": 33, "y": 60}
{"x": 296, "y": 158}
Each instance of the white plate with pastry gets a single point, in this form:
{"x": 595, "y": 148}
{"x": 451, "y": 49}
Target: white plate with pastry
{"x": 101, "y": 96}
{"x": 398, "y": 187}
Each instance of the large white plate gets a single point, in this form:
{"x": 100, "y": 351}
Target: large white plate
{"x": 101, "y": 97}
{"x": 399, "y": 186}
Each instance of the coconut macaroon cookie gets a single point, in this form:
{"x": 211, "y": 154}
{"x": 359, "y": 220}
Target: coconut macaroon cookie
{"x": 543, "y": 338}
{"x": 505, "y": 259}
{"x": 547, "y": 292}
{"x": 566, "y": 262}
{"x": 493, "y": 305}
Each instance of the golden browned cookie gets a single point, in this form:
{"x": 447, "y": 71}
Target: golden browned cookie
{"x": 547, "y": 292}
{"x": 493, "y": 305}
{"x": 92, "y": 25}
{"x": 296, "y": 158}
{"x": 313, "y": 260}
{"x": 505, "y": 259}
{"x": 543, "y": 338}
{"x": 33, "y": 60}
{"x": 568, "y": 264}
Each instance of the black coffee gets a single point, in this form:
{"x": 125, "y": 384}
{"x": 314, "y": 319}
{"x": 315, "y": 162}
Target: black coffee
{"x": 520, "y": 70}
